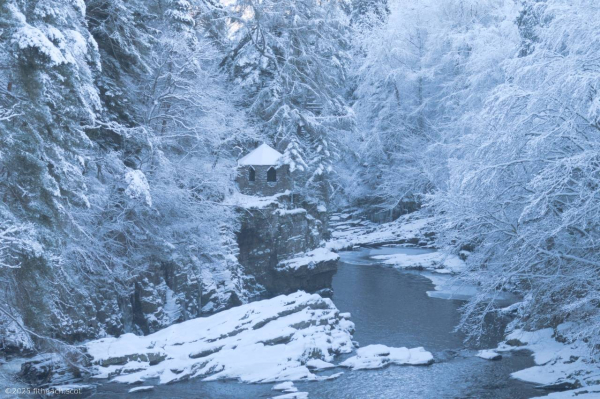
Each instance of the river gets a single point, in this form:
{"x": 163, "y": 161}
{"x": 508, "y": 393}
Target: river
{"x": 389, "y": 307}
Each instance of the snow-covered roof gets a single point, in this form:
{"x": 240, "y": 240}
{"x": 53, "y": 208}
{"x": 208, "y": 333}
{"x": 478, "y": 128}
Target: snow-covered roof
{"x": 262, "y": 155}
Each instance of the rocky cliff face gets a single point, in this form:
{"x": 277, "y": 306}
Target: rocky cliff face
{"x": 273, "y": 252}
{"x": 165, "y": 293}
{"x": 275, "y": 236}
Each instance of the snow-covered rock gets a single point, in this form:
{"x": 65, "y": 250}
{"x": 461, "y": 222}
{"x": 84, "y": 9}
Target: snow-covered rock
{"x": 293, "y": 395}
{"x": 318, "y": 364}
{"x": 265, "y": 341}
{"x": 287, "y": 386}
{"x": 438, "y": 262}
{"x": 310, "y": 259}
{"x": 589, "y": 392}
{"x": 559, "y": 365}
{"x": 489, "y": 354}
{"x": 377, "y": 356}
{"x": 349, "y": 231}
{"x": 144, "y": 388}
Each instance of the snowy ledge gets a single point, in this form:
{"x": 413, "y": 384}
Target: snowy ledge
{"x": 558, "y": 365}
{"x": 265, "y": 341}
{"x": 438, "y": 262}
{"x": 310, "y": 259}
{"x": 254, "y": 202}
{"x": 348, "y": 232}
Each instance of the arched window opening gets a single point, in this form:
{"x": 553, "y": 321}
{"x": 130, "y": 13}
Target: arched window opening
{"x": 271, "y": 175}
{"x": 251, "y": 174}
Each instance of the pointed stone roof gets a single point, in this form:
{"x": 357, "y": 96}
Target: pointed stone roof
{"x": 263, "y": 155}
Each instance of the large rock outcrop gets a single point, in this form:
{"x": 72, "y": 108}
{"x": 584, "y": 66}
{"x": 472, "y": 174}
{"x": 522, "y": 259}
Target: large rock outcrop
{"x": 279, "y": 243}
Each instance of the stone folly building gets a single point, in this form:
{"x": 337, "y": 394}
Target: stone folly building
{"x": 259, "y": 172}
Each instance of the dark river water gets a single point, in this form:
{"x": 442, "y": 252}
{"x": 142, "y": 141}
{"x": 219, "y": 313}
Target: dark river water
{"x": 389, "y": 307}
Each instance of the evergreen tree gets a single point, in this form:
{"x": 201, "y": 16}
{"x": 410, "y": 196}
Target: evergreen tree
{"x": 290, "y": 57}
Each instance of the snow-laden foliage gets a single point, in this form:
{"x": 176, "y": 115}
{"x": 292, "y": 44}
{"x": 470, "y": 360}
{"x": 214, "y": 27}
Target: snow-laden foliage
{"x": 524, "y": 194}
{"x": 118, "y": 136}
{"x": 415, "y": 76}
{"x": 290, "y": 57}
{"x": 488, "y": 112}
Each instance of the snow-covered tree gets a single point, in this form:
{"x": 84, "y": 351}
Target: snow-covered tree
{"x": 523, "y": 194}
{"x": 290, "y": 57}
{"x": 416, "y": 76}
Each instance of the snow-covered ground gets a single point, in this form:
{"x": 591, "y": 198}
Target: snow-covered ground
{"x": 349, "y": 231}
{"x": 559, "y": 365}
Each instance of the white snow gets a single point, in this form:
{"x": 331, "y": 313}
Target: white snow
{"x": 318, "y": 364}
{"x": 287, "y": 386}
{"x": 254, "y": 202}
{"x": 293, "y": 395}
{"x": 378, "y": 356}
{"x": 589, "y": 392}
{"x": 349, "y": 232}
{"x": 438, "y": 262}
{"x": 265, "y": 341}
{"x": 144, "y": 388}
{"x": 263, "y": 155}
{"x": 556, "y": 362}
{"x": 489, "y": 354}
{"x": 309, "y": 259}
{"x": 293, "y": 211}
{"x": 137, "y": 186}
{"x": 31, "y": 37}
{"x": 451, "y": 287}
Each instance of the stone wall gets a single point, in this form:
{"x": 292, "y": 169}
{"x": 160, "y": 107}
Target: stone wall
{"x": 261, "y": 186}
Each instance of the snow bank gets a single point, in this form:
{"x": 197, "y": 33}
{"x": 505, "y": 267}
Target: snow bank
{"x": 348, "y": 232}
{"x": 558, "y": 365}
{"x": 452, "y": 287}
{"x": 253, "y": 202}
{"x": 589, "y": 392}
{"x": 377, "y": 356}
{"x": 265, "y": 341}
{"x": 438, "y": 262}
{"x": 309, "y": 259}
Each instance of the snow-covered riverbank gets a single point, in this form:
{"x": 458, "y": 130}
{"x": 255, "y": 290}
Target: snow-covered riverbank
{"x": 287, "y": 338}
{"x": 349, "y": 231}
{"x": 560, "y": 365}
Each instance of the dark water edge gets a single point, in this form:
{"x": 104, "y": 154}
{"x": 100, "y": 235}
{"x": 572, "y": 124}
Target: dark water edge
{"x": 389, "y": 307}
